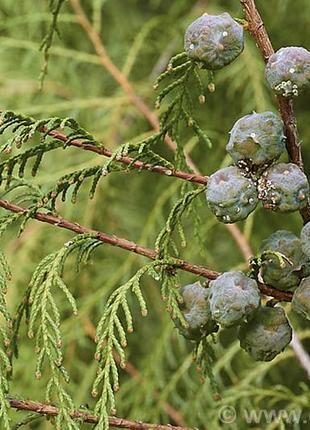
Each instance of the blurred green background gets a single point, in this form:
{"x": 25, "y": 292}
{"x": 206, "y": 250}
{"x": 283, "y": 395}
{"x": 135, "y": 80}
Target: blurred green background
{"x": 141, "y": 36}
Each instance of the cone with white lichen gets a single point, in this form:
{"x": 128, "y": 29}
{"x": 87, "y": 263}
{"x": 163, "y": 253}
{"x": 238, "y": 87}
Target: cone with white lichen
{"x": 283, "y": 188}
{"x": 288, "y": 71}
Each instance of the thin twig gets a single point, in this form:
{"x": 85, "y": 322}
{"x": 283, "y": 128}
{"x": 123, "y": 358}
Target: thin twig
{"x": 52, "y": 411}
{"x": 122, "y": 80}
{"x": 190, "y": 177}
{"x": 137, "y": 249}
{"x": 260, "y": 35}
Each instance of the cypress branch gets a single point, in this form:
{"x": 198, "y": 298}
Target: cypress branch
{"x": 137, "y": 249}
{"x": 88, "y": 144}
{"x": 45, "y": 320}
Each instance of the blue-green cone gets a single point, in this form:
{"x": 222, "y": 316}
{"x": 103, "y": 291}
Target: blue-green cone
{"x": 256, "y": 140}
{"x": 288, "y": 71}
{"x": 196, "y": 311}
{"x": 301, "y": 299}
{"x": 283, "y": 273}
{"x": 214, "y": 41}
{"x": 230, "y": 195}
{"x": 233, "y": 298}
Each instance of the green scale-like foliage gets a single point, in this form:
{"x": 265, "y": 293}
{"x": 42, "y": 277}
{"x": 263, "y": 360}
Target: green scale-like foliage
{"x": 5, "y": 365}
{"x": 27, "y": 126}
{"x": 45, "y": 320}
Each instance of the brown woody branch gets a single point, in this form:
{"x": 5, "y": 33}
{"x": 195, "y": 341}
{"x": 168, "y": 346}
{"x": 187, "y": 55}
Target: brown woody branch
{"x": 128, "y": 161}
{"x": 137, "y": 249}
{"x": 190, "y": 177}
{"x": 101, "y": 150}
{"x": 52, "y": 411}
{"x": 260, "y": 35}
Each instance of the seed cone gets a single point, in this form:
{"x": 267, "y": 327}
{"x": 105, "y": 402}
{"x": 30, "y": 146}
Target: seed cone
{"x": 266, "y": 334}
{"x": 214, "y": 40}
{"x": 288, "y": 71}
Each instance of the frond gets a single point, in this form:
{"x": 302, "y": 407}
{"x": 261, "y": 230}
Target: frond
{"x": 112, "y": 340}
{"x": 5, "y": 330}
{"x": 183, "y": 73}
{"x": 45, "y": 319}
